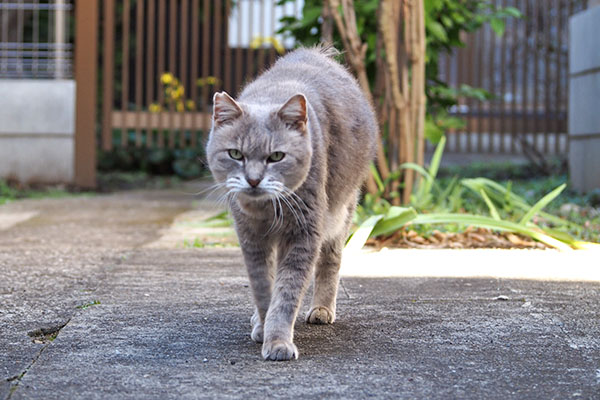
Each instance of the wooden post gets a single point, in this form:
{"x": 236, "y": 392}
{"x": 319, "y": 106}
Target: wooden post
{"x": 86, "y": 45}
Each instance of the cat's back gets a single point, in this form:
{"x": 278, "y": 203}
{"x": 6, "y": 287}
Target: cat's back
{"x": 311, "y": 71}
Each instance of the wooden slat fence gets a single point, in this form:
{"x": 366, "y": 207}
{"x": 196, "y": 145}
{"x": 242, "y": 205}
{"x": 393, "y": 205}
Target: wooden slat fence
{"x": 526, "y": 70}
{"x": 143, "y": 39}
{"x": 205, "y": 44}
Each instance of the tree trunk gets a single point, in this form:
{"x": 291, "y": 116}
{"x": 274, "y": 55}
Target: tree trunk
{"x": 400, "y": 81}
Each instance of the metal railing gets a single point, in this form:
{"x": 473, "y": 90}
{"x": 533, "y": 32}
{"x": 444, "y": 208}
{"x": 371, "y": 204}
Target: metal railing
{"x": 35, "y": 39}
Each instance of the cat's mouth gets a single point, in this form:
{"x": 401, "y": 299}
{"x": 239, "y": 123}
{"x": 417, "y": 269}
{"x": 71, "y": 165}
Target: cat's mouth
{"x": 256, "y": 194}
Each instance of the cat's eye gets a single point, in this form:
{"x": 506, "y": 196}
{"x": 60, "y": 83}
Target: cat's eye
{"x": 276, "y": 156}
{"x": 235, "y": 154}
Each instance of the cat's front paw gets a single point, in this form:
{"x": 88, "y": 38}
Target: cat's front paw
{"x": 257, "y": 328}
{"x": 279, "y": 350}
{"x": 320, "y": 315}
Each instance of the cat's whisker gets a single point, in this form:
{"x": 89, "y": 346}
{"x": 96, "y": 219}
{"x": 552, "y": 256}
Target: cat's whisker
{"x": 223, "y": 199}
{"x": 300, "y": 221}
{"x": 210, "y": 189}
{"x": 297, "y": 198}
{"x": 278, "y": 211}
{"x": 299, "y": 207}
{"x": 287, "y": 195}
{"x": 274, "y": 222}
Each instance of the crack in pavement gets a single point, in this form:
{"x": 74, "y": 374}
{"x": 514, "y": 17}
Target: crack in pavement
{"x": 40, "y": 332}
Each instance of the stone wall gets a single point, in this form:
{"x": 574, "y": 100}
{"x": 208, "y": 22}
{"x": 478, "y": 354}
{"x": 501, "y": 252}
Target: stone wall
{"x": 584, "y": 99}
{"x": 37, "y": 120}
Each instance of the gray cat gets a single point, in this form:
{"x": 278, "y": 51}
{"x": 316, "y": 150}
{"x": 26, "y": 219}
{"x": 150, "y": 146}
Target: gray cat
{"x": 293, "y": 152}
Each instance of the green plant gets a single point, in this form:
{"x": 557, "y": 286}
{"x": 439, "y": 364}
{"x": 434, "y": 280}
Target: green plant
{"x": 221, "y": 220}
{"x": 7, "y": 193}
{"x": 446, "y": 22}
{"x": 434, "y": 204}
{"x": 88, "y": 304}
{"x": 10, "y": 192}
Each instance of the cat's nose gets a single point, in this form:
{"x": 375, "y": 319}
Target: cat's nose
{"x": 253, "y": 182}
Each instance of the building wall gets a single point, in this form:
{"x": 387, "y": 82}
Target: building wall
{"x": 584, "y": 100}
{"x": 37, "y": 119}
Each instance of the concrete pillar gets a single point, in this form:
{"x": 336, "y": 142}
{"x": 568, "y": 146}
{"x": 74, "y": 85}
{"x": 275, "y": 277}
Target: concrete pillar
{"x": 584, "y": 100}
{"x": 37, "y": 125}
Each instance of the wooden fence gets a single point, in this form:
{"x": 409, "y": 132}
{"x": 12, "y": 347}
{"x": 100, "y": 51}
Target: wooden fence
{"x": 191, "y": 41}
{"x": 526, "y": 70}
{"x": 208, "y": 46}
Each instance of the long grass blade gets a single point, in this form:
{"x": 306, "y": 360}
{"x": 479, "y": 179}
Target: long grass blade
{"x": 500, "y": 193}
{"x": 435, "y": 163}
{"x": 360, "y": 236}
{"x": 393, "y": 223}
{"x": 586, "y": 246}
{"x": 377, "y": 177}
{"x": 490, "y": 223}
{"x": 490, "y": 205}
{"x": 543, "y": 202}
{"x": 416, "y": 167}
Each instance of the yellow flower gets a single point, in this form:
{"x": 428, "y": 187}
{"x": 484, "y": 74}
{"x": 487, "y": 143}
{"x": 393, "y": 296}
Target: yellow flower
{"x": 256, "y": 42}
{"x": 212, "y": 80}
{"x": 154, "y": 108}
{"x": 178, "y": 92}
{"x": 190, "y": 104}
{"x": 180, "y": 107}
{"x": 209, "y": 80}
{"x": 166, "y": 78}
{"x": 259, "y": 41}
{"x": 277, "y": 45}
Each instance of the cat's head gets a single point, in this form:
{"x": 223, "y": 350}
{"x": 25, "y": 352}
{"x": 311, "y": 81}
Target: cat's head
{"x": 259, "y": 151}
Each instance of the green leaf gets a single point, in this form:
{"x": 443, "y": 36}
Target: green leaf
{"x": 433, "y": 133}
{"x": 447, "y": 21}
{"x": 221, "y": 220}
{"x": 490, "y": 223}
{"x": 445, "y": 194}
{"x": 416, "y": 167}
{"x": 513, "y": 12}
{"x": 220, "y": 216}
{"x": 437, "y": 30}
{"x": 377, "y": 178}
{"x": 401, "y": 217}
{"x": 360, "y": 236}
{"x": 452, "y": 122}
{"x": 395, "y": 211}
{"x": 543, "y": 202}
{"x": 491, "y": 207}
{"x": 516, "y": 200}
{"x": 310, "y": 15}
{"x": 436, "y": 160}
{"x": 498, "y": 26}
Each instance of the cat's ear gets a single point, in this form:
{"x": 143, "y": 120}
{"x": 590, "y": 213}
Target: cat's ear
{"x": 293, "y": 112}
{"x": 225, "y": 109}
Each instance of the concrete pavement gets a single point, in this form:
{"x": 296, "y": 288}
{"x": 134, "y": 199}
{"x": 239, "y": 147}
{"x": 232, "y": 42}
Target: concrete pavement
{"x": 117, "y": 307}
